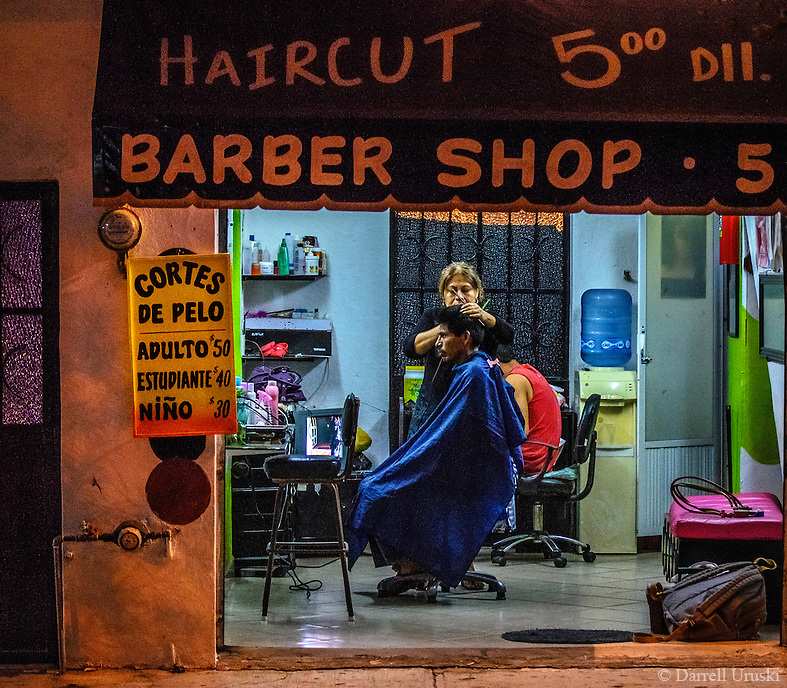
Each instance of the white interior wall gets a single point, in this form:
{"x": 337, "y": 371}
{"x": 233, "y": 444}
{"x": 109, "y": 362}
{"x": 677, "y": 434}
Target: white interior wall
{"x": 603, "y": 249}
{"x": 353, "y": 295}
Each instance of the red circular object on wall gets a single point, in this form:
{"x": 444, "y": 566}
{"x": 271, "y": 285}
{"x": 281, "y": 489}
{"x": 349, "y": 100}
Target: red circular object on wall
{"x": 178, "y": 491}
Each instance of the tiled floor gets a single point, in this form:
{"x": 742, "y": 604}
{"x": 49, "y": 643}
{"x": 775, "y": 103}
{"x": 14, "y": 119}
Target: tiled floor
{"x": 606, "y": 594}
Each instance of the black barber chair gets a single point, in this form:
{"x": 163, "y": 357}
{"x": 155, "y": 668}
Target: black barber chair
{"x": 558, "y": 486}
{"x": 288, "y": 471}
{"x": 395, "y": 585}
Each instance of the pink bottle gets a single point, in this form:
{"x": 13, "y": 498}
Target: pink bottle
{"x": 264, "y": 401}
{"x": 272, "y": 390}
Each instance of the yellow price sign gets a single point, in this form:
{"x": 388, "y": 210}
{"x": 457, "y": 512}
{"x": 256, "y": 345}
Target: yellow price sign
{"x": 182, "y": 349}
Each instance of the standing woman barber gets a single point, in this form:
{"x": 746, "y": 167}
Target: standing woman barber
{"x": 459, "y": 283}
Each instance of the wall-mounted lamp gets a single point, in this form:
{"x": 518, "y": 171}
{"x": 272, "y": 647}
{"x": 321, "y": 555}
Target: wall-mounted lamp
{"x": 120, "y": 230}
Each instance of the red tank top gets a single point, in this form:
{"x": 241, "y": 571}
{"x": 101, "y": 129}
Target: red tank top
{"x": 544, "y": 417}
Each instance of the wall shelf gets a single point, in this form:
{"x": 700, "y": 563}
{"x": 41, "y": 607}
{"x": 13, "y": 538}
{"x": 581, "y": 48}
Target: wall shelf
{"x": 272, "y": 359}
{"x": 281, "y": 278}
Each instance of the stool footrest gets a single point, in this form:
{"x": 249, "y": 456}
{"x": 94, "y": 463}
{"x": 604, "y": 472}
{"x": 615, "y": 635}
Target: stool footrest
{"x": 309, "y": 546}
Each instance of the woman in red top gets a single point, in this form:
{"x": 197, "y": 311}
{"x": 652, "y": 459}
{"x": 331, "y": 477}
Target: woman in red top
{"x": 540, "y": 408}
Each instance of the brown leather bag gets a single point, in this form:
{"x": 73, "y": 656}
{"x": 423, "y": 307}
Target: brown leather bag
{"x": 723, "y": 602}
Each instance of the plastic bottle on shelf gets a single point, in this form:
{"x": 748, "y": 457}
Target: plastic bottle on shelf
{"x": 290, "y": 251}
{"x": 251, "y": 404}
{"x": 245, "y": 259}
{"x": 272, "y": 390}
{"x": 266, "y": 264}
{"x": 284, "y": 259}
{"x": 255, "y": 256}
{"x": 312, "y": 263}
{"x": 264, "y": 401}
{"x": 299, "y": 264}
{"x": 266, "y": 267}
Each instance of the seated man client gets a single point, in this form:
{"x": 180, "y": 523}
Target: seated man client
{"x": 540, "y": 409}
{"x": 431, "y": 504}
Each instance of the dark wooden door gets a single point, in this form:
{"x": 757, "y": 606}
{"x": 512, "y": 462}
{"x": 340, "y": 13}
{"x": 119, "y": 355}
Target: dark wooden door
{"x": 30, "y": 515}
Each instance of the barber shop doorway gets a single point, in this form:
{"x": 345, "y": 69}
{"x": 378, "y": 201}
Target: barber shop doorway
{"x": 524, "y": 260}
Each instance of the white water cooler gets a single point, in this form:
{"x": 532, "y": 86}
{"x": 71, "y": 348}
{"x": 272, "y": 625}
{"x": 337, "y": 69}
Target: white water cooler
{"x": 608, "y": 515}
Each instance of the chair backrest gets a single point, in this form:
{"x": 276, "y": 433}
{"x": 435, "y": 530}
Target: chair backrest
{"x": 585, "y": 443}
{"x": 349, "y": 431}
{"x": 586, "y": 429}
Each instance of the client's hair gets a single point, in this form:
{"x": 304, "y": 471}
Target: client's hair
{"x": 458, "y": 323}
{"x": 505, "y": 353}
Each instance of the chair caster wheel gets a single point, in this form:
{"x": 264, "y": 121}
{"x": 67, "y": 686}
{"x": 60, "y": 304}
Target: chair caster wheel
{"x": 589, "y": 556}
{"x": 559, "y": 562}
{"x": 499, "y": 559}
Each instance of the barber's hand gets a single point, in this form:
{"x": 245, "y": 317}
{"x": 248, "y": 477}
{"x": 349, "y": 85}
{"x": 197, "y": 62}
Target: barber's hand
{"x": 473, "y": 310}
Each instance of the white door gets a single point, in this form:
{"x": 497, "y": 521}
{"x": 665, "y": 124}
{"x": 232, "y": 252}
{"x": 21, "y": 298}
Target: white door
{"x": 679, "y": 346}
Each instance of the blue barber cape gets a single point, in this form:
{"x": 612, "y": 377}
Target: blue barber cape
{"x": 435, "y": 499}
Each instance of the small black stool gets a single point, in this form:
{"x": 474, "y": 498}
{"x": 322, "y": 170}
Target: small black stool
{"x": 288, "y": 471}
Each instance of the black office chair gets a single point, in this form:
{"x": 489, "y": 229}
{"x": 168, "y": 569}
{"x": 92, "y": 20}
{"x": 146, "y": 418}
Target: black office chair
{"x": 558, "y": 486}
{"x": 288, "y": 471}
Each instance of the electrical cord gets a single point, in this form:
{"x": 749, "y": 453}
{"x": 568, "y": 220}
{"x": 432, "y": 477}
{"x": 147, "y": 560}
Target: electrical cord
{"x": 297, "y": 584}
{"x": 307, "y": 586}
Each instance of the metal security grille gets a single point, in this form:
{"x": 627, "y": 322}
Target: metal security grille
{"x": 523, "y": 260}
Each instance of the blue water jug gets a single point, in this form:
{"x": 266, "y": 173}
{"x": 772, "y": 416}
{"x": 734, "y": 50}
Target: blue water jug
{"x": 606, "y": 327}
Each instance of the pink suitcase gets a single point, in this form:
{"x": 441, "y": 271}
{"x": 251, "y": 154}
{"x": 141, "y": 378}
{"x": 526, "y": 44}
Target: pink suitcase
{"x": 691, "y": 537}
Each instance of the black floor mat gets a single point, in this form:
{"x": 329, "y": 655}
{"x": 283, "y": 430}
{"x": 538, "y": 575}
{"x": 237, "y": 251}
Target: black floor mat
{"x": 568, "y": 636}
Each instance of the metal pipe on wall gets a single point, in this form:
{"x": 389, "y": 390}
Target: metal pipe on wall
{"x": 129, "y": 536}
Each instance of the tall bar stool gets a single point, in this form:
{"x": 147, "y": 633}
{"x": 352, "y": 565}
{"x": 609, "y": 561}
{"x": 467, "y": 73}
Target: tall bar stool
{"x": 288, "y": 471}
